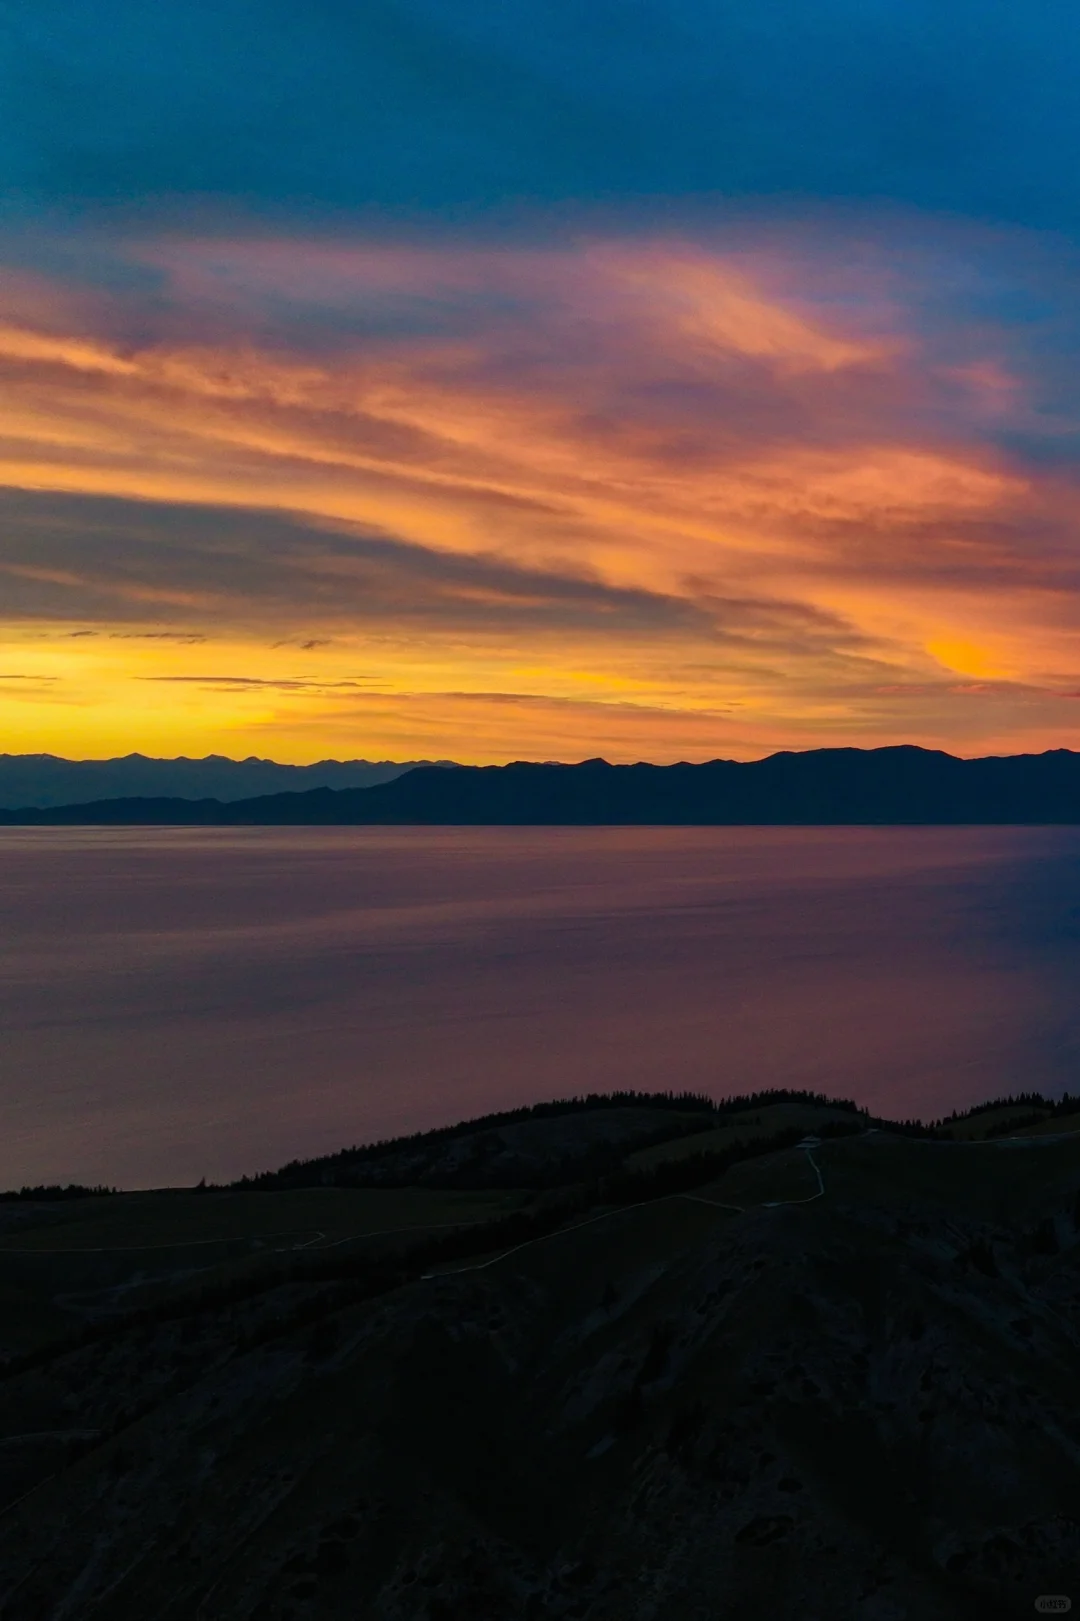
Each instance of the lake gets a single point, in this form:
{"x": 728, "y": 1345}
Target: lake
{"x": 204, "y": 1002}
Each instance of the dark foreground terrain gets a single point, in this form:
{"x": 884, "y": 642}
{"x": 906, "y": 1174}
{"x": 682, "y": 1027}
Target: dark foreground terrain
{"x": 639, "y": 1360}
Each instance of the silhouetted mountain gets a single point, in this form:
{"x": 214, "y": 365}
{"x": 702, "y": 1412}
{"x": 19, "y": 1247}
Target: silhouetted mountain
{"x": 884, "y": 786}
{"x": 46, "y": 779}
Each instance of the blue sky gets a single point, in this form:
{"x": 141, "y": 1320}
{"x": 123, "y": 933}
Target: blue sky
{"x": 428, "y": 107}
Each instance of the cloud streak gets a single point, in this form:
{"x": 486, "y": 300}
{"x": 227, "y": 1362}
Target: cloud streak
{"x": 780, "y": 485}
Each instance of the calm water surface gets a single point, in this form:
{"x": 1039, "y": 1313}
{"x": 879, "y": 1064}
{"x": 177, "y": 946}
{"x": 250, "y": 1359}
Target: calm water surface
{"x": 175, "y": 1004}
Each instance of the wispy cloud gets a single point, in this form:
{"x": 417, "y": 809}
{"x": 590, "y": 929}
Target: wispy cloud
{"x": 742, "y": 478}
{"x": 225, "y": 683}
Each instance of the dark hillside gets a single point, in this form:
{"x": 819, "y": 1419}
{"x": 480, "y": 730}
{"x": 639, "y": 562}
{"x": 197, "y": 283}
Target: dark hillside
{"x": 755, "y": 1378}
{"x": 545, "y": 1145}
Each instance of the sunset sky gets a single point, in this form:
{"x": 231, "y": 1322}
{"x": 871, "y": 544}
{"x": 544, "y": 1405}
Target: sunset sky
{"x": 655, "y": 379}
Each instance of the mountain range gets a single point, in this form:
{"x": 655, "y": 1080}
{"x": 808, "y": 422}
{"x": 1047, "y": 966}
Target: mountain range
{"x": 905, "y": 785}
{"x": 44, "y": 780}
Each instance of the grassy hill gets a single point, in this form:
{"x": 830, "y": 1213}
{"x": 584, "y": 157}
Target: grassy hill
{"x": 724, "y": 1375}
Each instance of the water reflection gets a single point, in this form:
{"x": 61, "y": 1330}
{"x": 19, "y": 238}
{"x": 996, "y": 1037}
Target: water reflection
{"x": 201, "y": 1002}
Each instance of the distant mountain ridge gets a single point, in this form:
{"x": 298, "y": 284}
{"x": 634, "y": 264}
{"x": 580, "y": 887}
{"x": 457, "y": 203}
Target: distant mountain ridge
{"x": 47, "y": 779}
{"x": 900, "y": 785}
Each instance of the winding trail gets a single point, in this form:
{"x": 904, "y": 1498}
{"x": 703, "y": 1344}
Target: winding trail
{"x": 605, "y": 1215}
{"x": 768, "y": 1204}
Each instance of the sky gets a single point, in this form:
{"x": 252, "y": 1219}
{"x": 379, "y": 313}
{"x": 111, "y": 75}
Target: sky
{"x": 655, "y": 380}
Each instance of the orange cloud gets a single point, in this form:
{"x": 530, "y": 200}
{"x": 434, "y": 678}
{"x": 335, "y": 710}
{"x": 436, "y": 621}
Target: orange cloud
{"x": 715, "y": 307}
{"x": 693, "y": 508}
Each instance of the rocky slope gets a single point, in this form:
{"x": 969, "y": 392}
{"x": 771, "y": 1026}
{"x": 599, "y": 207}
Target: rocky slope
{"x": 710, "y": 1404}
